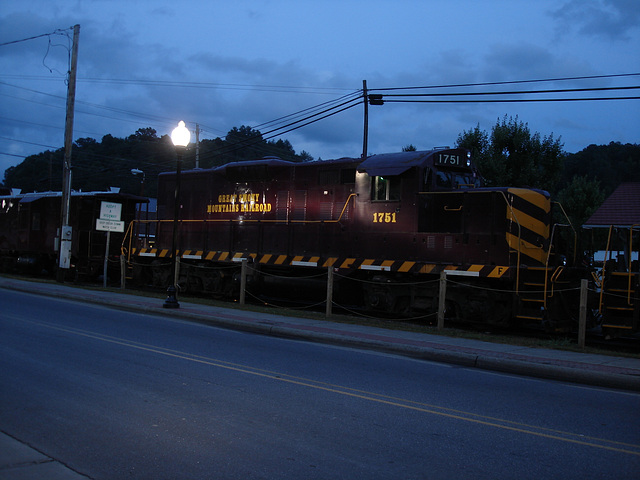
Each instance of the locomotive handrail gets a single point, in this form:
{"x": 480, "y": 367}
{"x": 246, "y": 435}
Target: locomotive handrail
{"x": 629, "y": 269}
{"x": 554, "y": 278}
{"x": 575, "y": 234}
{"x": 604, "y": 267}
{"x": 123, "y": 250}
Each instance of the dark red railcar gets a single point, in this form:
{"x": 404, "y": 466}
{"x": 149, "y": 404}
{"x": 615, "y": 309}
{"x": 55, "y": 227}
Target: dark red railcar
{"x": 387, "y": 225}
{"x": 30, "y": 225}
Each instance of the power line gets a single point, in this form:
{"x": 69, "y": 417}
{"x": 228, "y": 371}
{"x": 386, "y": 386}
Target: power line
{"x": 187, "y": 84}
{"x": 516, "y": 100}
{"x": 291, "y": 126}
{"x": 28, "y": 143}
{"x": 57, "y": 31}
{"x": 513, "y": 82}
{"x": 512, "y": 92}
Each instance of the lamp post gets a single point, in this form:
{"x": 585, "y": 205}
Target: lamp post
{"x": 137, "y": 171}
{"x": 180, "y": 137}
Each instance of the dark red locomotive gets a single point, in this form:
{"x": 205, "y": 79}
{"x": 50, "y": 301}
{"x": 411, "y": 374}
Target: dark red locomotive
{"x": 387, "y": 225}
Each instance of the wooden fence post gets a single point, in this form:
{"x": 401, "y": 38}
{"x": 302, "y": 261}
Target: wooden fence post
{"x": 441, "y": 299}
{"x": 329, "y": 307}
{"x": 243, "y": 280}
{"x": 123, "y": 271}
{"x": 582, "y": 322}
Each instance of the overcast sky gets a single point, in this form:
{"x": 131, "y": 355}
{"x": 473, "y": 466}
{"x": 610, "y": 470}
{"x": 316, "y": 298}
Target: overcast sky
{"x": 223, "y": 64}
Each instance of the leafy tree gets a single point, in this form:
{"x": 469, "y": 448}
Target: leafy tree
{"x": 610, "y": 164}
{"x": 409, "y": 148}
{"x": 246, "y": 143}
{"x": 580, "y": 199}
{"x": 512, "y": 156}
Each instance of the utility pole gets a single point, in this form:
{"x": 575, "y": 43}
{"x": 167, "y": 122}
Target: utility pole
{"x": 65, "y": 229}
{"x": 365, "y": 139}
{"x": 197, "y": 146}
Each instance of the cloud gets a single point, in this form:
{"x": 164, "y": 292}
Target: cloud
{"x": 522, "y": 60}
{"x": 613, "y": 19}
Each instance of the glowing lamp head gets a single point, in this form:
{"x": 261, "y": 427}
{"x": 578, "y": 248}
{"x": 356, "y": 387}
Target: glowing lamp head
{"x": 180, "y": 135}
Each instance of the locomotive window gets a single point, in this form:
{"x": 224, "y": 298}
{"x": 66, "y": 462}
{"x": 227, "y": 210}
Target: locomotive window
{"x": 385, "y": 189}
{"x": 443, "y": 179}
{"x": 453, "y": 180}
{"x": 466, "y": 181}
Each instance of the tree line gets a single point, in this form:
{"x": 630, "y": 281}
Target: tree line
{"x": 108, "y": 163}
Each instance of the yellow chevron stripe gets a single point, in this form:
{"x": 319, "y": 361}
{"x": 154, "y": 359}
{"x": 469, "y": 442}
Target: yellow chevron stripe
{"x": 406, "y": 266}
{"x": 530, "y": 196}
{"x": 427, "y": 268}
{"x": 280, "y": 260}
{"x": 329, "y": 262}
{"x": 528, "y": 222}
{"x": 265, "y": 258}
{"x": 497, "y": 272}
{"x": 347, "y": 263}
{"x": 210, "y": 256}
{"x": 526, "y": 248}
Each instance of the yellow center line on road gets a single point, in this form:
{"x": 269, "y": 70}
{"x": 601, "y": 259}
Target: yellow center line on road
{"x": 569, "y": 437}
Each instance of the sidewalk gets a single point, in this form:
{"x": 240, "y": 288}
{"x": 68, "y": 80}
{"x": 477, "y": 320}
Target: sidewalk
{"x": 19, "y": 461}
{"x": 590, "y": 369}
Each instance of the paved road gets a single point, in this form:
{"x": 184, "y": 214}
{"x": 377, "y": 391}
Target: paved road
{"x": 116, "y": 395}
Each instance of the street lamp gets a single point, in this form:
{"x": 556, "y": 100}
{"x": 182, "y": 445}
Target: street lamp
{"x": 137, "y": 171}
{"x": 180, "y": 138}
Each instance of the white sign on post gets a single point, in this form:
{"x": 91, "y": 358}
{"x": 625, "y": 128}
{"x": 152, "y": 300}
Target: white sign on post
{"x": 110, "y": 211}
{"x": 109, "y": 220}
{"x": 109, "y": 226}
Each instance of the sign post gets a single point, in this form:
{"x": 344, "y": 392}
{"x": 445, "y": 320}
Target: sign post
{"x": 109, "y": 221}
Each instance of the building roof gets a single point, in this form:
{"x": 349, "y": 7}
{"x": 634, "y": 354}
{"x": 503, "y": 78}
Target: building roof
{"x": 622, "y": 208}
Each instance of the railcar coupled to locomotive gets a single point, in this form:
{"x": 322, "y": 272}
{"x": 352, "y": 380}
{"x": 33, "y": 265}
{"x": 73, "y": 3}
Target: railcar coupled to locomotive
{"x": 387, "y": 225}
{"x": 30, "y": 230}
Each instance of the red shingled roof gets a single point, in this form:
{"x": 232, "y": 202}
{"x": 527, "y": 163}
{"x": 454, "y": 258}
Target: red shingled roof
{"x": 622, "y": 208}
